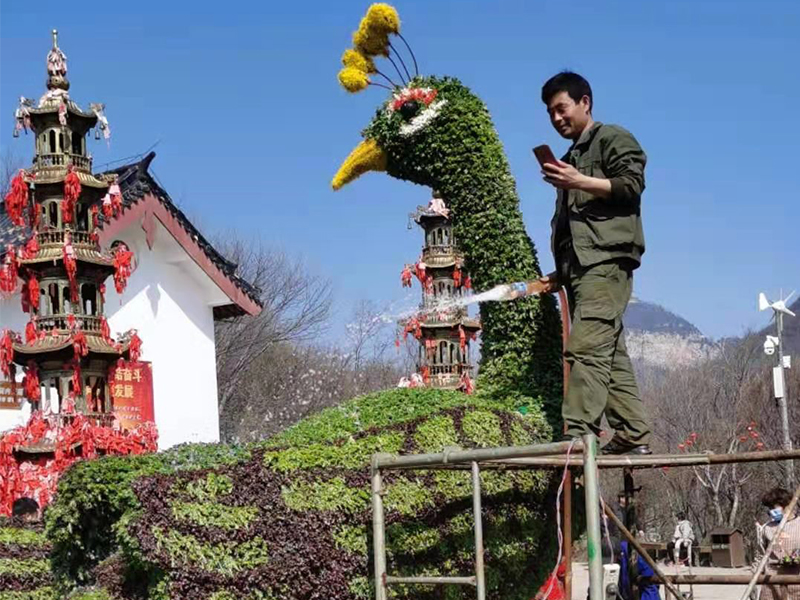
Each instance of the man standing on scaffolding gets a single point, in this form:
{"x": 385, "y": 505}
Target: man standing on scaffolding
{"x": 597, "y": 242}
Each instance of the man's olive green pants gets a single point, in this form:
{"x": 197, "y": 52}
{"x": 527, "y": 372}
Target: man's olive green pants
{"x": 601, "y": 374}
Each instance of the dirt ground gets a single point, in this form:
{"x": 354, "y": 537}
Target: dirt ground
{"x": 580, "y": 583}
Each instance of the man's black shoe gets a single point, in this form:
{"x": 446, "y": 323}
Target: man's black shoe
{"x": 617, "y": 447}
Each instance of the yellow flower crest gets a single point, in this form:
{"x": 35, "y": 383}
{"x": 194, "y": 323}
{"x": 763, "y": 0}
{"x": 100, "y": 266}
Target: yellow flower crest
{"x": 371, "y": 41}
{"x": 353, "y": 80}
{"x": 356, "y": 60}
{"x": 383, "y": 17}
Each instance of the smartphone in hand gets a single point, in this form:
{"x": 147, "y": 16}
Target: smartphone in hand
{"x": 544, "y": 155}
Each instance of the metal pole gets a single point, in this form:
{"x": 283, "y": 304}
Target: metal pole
{"x": 743, "y": 579}
{"x": 567, "y": 498}
{"x": 448, "y": 457}
{"x": 378, "y": 538}
{"x": 594, "y": 538}
{"x": 654, "y": 460}
{"x": 431, "y": 580}
{"x": 480, "y": 575}
{"x": 775, "y": 537}
{"x": 647, "y": 558}
{"x": 783, "y": 403}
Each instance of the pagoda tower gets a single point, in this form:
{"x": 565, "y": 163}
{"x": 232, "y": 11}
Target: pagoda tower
{"x": 66, "y": 352}
{"x": 443, "y": 327}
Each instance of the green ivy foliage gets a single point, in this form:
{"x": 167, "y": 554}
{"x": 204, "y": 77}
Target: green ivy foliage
{"x": 460, "y": 154}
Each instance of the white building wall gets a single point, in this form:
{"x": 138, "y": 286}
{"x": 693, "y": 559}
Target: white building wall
{"x": 12, "y": 317}
{"x": 169, "y": 300}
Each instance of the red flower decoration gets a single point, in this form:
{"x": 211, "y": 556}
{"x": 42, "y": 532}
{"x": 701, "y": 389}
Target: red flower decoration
{"x": 426, "y": 96}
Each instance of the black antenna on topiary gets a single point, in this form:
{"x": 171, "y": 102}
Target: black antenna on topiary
{"x": 414, "y": 58}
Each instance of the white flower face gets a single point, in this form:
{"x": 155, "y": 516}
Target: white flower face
{"x": 422, "y": 98}
{"x": 422, "y": 119}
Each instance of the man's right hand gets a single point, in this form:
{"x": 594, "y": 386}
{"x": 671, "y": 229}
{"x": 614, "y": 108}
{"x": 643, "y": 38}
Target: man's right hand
{"x": 549, "y": 283}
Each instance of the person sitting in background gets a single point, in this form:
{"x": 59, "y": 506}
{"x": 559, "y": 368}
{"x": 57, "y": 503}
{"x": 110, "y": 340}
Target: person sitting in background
{"x": 683, "y": 538}
{"x": 26, "y": 509}
{"x": 786, "y": 547}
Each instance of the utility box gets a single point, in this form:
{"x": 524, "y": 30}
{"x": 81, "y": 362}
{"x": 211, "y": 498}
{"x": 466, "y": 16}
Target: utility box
{"x": 727, "y": 547}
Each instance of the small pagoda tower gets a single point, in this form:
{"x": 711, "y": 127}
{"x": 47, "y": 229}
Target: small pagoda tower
{"x": 56, "y": 204}
{"x": 443, "y": 327}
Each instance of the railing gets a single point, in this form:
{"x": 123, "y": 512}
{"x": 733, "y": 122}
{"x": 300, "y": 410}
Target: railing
{"x": 440, "y": 250}
{"x": 47, "y": 161}
{"x": 95, "y": 418}
{"x": 89, "y": 324}
{"x": 55, "y": 237}
{"x": 447, "y": 317}
{"x": 450, "y": 370}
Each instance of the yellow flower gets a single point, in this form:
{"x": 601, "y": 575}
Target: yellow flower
{"x": 353, "y": 80}
{"x": 356, "y": 60}
{"x": 371, "y": 41}
{"x": 383, "y": 17}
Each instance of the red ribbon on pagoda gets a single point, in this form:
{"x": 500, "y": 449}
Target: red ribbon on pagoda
{"x": 123, "y": 261}
{"x": 31, "y": 248}
{"x": 405, "y": 276}
{"x": 9, "y": 273}
{"x": 6, "y": 352}
{"x": 135, "y": 347}
{"x": 16, "y": 199}
{"x": 72, "y": 189}
{"x": 71, "y": 266}
{"x": 79, "y": 346}
{"x": 412, "y": 326}
{"x": 37, "y": 478}
{"x": 30, "y": 383}
{"x": 466, "y": 383}
{"x": 32, "y": 293}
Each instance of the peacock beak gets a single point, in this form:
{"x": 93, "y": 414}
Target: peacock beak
{"x": 365, "y": 157}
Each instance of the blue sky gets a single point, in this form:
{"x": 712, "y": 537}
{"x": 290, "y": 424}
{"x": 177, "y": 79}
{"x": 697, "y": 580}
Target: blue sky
{"x": 251, "y": 124}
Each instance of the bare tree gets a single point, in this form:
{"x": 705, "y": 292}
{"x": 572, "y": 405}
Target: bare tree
{"x": 291, "y": 381}
{"x": 296, "y": 307}
{"x": 722, "y": 405}
{"x": 10, "y": 163}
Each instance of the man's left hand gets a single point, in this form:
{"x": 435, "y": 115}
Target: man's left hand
{"x": 563, "y": 176}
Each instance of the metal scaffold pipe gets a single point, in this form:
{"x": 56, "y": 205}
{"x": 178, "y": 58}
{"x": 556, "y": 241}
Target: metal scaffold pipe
{"x": 456, "y": 456}
{"x": 594, "y": 539}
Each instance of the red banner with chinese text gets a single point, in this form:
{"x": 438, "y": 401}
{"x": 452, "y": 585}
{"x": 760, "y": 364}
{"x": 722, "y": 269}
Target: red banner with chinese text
{"x": 131, "y": 386}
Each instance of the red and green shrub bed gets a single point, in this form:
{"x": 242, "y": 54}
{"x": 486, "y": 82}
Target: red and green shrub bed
{"x": 293, "y": 520}
{"x": 24, "y": 562}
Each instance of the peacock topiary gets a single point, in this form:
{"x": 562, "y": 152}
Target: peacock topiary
{"x": 435, "y": 132}
{"x": 290, "y": 520}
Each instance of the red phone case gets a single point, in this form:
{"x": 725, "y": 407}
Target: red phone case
{"x": 544, "y": 155}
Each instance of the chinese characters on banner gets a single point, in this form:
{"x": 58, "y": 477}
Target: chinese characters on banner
{"x": 11, "y": 396}
{"x": 131, "y": 386}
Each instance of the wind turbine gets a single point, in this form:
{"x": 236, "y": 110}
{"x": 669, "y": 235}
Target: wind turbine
{"x": 778, "y": 377}
{"x": 777, "y": 306}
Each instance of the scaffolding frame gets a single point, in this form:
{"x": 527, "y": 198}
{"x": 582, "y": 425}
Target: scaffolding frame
{"x": 474, "y": 460}
{"x": 549, "y": 456}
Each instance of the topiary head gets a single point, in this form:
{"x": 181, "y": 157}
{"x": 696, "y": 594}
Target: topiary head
{"x": 427, "y": 128}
